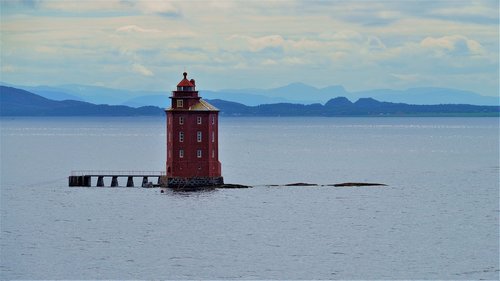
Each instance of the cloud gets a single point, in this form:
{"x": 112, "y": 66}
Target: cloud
{"x": 473, "y": 10}
{"x": 344, "y": 35}
{"x": 46, "y": 49}
{"x": 361, "y": 44}
{"x": 294, "y": 61}
{"x": 21, "y": 3}
{"x": 141, "y": 69}
{"x": 83, "y": 6}
{"x": 135, "y": 28}
{"x": 485, "y": 12}
{"x": 150, "y": 7}
{"x": 256, "y": 44}
{"x": 240, "y": 65}
{"x": 269, "y": 62}
{"x": 375, "y": 43}
{"x": 7, "y": 68}
{"x": 160, "y": 7}
{"x": 454, "y": 44}
{"x": 407, "y": 77}
{"x": 305, "y": 44}
{"x": 277, "y": 42}
{"x": 260, "y": 43}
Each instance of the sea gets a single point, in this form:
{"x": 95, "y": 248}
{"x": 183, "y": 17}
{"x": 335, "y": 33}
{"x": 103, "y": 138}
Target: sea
{"x": 436, "y": 218}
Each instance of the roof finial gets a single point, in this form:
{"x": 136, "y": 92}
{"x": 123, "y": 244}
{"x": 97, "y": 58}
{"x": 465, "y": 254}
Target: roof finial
{"x": 185, "y": 74}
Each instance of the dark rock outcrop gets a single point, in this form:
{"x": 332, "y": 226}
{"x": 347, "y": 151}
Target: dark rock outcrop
{"x": 349, "y": 184}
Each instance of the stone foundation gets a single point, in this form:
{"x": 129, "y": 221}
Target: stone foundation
{"x": 197, "y": 182}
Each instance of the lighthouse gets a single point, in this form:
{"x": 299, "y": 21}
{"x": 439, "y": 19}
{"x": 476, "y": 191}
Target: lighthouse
{"x": 192, "y": 139}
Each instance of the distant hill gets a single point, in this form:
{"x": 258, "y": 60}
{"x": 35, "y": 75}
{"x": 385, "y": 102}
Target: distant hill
{"x": 305, "y": 94}
{"x": 292, "y": 93}
{"x": 46, "y": 92}
{"x": 341, "y": 106}
{"x": 429, "y": 95}
{"x": 17, "y": 102}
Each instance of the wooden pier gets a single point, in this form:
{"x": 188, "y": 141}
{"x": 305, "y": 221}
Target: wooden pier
{"x": 84, "y": 178}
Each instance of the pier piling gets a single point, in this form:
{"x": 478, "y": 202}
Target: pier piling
{"x": 100, "y": 181}
{"x": 114, "y": 181}
{"x": 86, "y": 181}
{"x": 130, "y": 182}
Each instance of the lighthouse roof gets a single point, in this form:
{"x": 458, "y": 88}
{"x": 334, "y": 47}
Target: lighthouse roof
{"x": 185, "y": 82}
{"x": 200, "y": 105}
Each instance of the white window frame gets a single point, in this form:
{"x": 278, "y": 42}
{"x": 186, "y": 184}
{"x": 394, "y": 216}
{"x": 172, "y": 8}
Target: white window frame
{"x": 180, "y": 103}
{"x": 213, "y": 153}
{"x": 213, "y": 136}
{"x": 198, "y": 136}
{"x": 181, "y": 136}
{"x": 198, "y": 120}
{"x": 181, "y": 153}
{"x": 198, "y": 153}
{"x": 213, "y": 120}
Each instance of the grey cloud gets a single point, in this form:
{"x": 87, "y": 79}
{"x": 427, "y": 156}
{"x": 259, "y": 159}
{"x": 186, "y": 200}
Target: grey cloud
{"x": 374, "y": 13}
{"x": 19, "y": 4}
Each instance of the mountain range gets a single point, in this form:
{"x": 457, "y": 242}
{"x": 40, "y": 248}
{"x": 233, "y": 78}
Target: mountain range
{"x": 292, "y": 93}
{"x": 18, "y": 102}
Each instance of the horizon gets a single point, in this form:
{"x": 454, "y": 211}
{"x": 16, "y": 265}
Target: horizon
{"x": 146, "y": 45}
{"x": 241, "y": 90}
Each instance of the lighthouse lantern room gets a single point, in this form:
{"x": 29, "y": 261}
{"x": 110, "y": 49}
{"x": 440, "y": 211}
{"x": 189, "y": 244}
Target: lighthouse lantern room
{"x": 192, "y": 139}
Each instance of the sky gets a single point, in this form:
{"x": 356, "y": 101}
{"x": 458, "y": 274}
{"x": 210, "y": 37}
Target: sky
{"x": 147, "y": 44}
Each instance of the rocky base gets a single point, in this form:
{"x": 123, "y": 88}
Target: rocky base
{"x": 197, "y": 182}
{"x": 229, "y": 185}
{"x": 204, "y": 188}
{"x": 349, "y": 184}
{"x": 345, "y": 184}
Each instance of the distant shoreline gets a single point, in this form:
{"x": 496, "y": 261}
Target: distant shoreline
{"x": 5, "y": 117}
{"x": 17, "y": 103}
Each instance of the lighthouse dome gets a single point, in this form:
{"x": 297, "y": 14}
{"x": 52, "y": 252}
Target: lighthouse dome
{"x": 185, "y": 84}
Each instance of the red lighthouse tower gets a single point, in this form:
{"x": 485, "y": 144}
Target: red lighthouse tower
{"x": 192, "y": 139}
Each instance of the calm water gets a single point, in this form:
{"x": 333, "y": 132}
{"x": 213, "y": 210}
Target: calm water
{"x": 437, "y": 219}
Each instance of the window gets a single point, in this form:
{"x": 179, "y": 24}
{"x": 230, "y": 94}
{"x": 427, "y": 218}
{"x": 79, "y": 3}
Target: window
{"x": 181, "y": 153}
{"x": 181, "y": 136}
{"x": 198, "y": 153}
{"x": 198, "y": 136}
{"x": 180, "y": 103}
{"x": 213, "y": 120}
{"x": 213, "y": 136}
{"x": 185, "y": 88}
{"x": 198, "y": 120}
{"x": 213, "y": 153}
{"x": 181, "y": 120}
